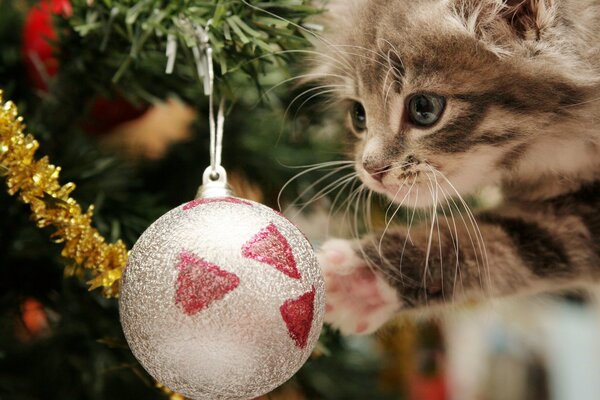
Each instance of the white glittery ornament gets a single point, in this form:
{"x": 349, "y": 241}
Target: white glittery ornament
{"x": 222, "y": 298}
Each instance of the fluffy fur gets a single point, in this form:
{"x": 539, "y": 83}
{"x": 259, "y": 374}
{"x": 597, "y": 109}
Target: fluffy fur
{"x": 522, "y": 84}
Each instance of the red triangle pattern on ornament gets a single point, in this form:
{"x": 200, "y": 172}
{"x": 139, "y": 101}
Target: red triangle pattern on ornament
{"x": 298, "y": 317}
{"x": 200, "y": 283}
{"x": 269, "y": 246}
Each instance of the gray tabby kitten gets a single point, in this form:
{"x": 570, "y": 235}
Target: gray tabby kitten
{"x": 446, "y": 96}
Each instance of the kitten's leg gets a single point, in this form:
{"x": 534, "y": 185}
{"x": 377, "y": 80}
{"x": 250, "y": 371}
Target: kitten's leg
{"x": 368, "y": 282}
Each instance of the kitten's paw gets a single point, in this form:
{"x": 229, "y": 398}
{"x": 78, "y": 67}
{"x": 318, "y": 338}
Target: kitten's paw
{"x": 358, "y": 300}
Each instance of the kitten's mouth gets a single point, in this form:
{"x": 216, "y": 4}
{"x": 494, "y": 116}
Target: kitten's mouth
{"x": 399, "y": 186}
{"x": 412, "y": 189}
{"x": 407, "y": 175}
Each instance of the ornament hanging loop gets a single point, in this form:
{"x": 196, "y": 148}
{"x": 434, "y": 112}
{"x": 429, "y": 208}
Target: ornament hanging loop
{"x": 212, "y": 187}
{"x": 214, "y": 180}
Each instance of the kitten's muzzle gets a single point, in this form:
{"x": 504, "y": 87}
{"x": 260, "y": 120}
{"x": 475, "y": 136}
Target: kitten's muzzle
{"x": 376, "y": 172}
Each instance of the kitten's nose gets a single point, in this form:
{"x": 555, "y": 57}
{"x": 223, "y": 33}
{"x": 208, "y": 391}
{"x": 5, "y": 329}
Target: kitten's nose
{"x": 377, "y": 172}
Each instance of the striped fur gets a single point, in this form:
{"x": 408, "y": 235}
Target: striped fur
{"x": 522, "y": 83}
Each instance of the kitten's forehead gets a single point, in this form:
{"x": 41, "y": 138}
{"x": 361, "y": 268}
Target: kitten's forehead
{"x": 382, "y": 47}
{"x": 389, "y": 39}
{"x": 398, "y": 48}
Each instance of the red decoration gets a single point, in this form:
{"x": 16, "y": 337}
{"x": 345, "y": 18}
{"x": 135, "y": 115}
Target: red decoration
{"x": 106, "y": 114}
{"x": 298, "y": 316}
{"x": 428, "y": 387}
{"x": 271, "y": 247}
{"x": 201, "y": 283}
{"x": 38, "y": 35}
{"x": 39, "y": 56}
{"x": 197, "y": 202}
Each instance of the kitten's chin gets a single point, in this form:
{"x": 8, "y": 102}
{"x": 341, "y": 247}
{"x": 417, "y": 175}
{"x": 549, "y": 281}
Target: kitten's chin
{"x": 412, "y": 196}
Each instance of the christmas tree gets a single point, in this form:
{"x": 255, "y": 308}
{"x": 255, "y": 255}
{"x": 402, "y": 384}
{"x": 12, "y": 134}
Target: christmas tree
{"x": 89, "y": 79}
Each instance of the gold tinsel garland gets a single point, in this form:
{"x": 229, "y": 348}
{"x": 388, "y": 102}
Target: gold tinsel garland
{"x": 35, "y": 181}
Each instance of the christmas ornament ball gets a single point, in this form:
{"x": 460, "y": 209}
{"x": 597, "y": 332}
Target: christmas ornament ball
{"x": 222, "y": 298}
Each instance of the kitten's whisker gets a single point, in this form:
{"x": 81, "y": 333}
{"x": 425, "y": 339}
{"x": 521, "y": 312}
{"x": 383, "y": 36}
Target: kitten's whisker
{"x": 468, "y": 227}
{"x": 410, "y": 223}
{"x": 401, "y": 165}
{"x": 434, "y": 221}
{"x": 383, "y": 91}
{"x": 395, "y": 50}
{"x": 356, "y": 212}
{"x": 342, "y": 63}
{"x": 318, "y": 181}
{"x": 365, "y": 206}
{"x": 310, "y": 98}
{"x": 388, "y": 222}
{"x": 359, "y": 54}
{"x": 465, "y": 207}
{"x": 416, "y": 202}
{"x": 438, "y": 191}
{"x": 380, "y": 248}
{"x": 361, "y": 48}
{"x": 480, "y": 241}
{"x": 325, "y": 191}
{"x": 345, "y": 204}
{"x": 312, "y": 168}
{"x": 335, "y": 200}
{"x": 453, "y": 236}
{"x": 373, "y": 266}
{"x": 353, "y": 227}
{"x": 320, "y": 165}
{"x": 581, "y": 103}
{"x": 300, "y": 27}
{"x": 393, "y": 201}
{"x": 295, "y": 78}
{"x": 473, "y": 224}
{"x": 478, "y": 234}
{"x": 426, "y": 271}
{"x": 387, "y": 92}
{"x": 369, "y": 211}
{"x": 307, "y": 91}
{"x": 392, "y": 68}
{"x": 349, "y": 201}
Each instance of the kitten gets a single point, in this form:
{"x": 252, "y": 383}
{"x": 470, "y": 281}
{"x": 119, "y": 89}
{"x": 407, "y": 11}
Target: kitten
{"x": 446, "y": 96}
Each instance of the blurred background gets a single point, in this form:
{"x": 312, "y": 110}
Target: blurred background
{"x": 91, "y": 86}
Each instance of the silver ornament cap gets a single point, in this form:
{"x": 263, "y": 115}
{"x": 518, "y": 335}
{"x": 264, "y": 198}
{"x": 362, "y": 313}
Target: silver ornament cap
{"x": 222, "y": 298}
{"x": 214, "y": 184}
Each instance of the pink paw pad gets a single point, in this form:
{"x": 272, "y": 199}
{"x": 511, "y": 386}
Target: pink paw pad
{"x": 361, "y": 327}
{"x": 335, "y": 256}
{"x": 359, "y": 300}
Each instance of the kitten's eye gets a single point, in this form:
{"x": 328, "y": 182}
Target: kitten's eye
{"x": 425, "y": 109}
{"x": 359, "y": 117}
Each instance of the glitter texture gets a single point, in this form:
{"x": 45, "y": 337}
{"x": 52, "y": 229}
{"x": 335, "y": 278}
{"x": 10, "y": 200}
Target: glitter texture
{"x": 298, "y": 316}
{"x": 247, "y": 342}
{"x": 195, "y": 203}
{"x": 270, "y": 246}
{"x": 200, "y": 283}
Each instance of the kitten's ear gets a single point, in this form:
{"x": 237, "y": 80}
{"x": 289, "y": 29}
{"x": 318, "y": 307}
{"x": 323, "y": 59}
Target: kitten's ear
{"x": 501, "y": 20}
{"x": 529, "y": 18}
